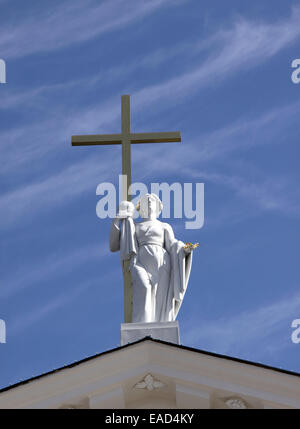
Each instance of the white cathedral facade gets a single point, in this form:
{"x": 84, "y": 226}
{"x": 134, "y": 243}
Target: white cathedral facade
{"x": 155, "y": 374}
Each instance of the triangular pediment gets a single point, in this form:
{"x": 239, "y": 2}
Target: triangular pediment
{"x": 155, "y": 374}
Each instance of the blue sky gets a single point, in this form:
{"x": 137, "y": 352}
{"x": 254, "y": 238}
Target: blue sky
{"x": 220, "y": 72}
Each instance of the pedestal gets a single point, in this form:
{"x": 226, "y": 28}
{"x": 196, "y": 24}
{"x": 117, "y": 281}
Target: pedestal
{"x": 165, "y": 331}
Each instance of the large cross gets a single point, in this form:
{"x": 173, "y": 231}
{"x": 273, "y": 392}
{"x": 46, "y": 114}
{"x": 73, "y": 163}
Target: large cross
{"x": 125, "y": 139}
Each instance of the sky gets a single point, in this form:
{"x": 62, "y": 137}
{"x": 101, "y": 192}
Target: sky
{"x": 218, "y": 72}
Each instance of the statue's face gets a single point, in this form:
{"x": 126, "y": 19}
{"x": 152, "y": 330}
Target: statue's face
{"x": 148, "y": 208}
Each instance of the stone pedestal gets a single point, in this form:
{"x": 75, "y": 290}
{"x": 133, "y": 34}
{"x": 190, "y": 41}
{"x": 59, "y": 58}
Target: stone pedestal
{"x": 165, "y": 331}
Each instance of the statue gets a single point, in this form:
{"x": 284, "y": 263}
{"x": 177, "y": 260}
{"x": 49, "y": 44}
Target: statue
{"x": 125, "y": 234}
{"x": 159, "y": 265}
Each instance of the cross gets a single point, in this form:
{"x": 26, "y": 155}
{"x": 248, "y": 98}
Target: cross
{"x": 126, "y": 138}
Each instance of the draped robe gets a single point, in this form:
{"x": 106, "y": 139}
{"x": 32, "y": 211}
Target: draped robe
{"x": 159, "y": 267}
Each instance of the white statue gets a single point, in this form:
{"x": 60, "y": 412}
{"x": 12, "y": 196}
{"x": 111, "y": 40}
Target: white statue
{"x": 159, "y": 264}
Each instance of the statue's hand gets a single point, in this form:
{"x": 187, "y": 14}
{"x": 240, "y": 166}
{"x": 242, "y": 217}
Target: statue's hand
{"x": 126, "y": 209}
{"x": 189, "y": 247}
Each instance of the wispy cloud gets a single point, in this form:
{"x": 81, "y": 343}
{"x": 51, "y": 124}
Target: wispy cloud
{"x": 265, "y": 325}
{"x": 60, "y": 262}
{"x": 50, "y": 30}
{"x": 241, "y": 135}
{"x": 36, "y": 140}
{"x": 269, "y": 194}
{"x": 276, "y": 193}
{"x": 245, "y": 45}
{"x": 246, "y": 132}
{"x": 53, "y": 191}
{"x": 16, "y": 97}
{"x": 27, "y": 319}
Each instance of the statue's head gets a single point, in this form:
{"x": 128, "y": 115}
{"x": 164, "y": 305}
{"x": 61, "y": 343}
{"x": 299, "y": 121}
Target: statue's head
{"x": 149, "y": 206}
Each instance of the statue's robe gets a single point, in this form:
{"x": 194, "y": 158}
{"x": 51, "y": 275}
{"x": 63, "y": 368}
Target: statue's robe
{"x": 159, "y": 267}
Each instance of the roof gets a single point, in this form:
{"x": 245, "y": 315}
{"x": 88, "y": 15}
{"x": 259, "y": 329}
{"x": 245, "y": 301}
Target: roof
{"x": 220, "y": 356}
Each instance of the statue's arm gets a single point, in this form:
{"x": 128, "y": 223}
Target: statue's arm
{"x": 170, "y": 240}
{"x": 168, "y": 236}
{"x": 114, "y": 236}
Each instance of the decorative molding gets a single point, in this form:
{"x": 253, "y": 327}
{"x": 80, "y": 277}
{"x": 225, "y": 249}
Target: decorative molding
{"x": 149, "y": 383}
{"x": 236, "y": 403}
